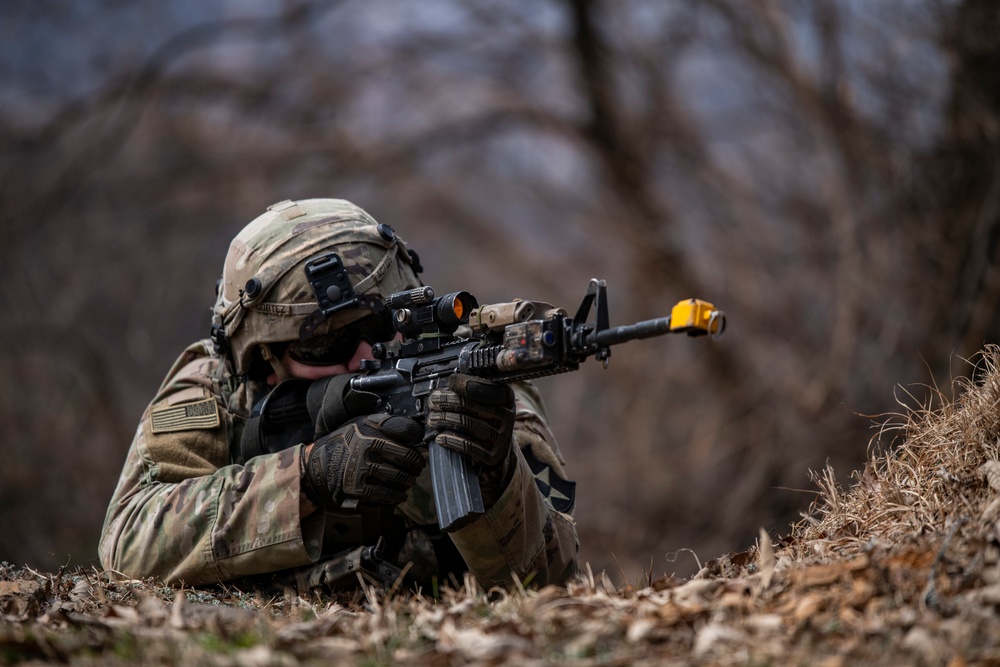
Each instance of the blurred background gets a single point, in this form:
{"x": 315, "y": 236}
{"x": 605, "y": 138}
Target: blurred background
{"x": 825, "y": 171}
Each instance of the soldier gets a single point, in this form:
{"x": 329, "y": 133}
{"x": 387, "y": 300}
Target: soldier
{"x": 200, "y": 502}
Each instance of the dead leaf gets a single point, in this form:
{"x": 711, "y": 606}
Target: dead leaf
{"x": 474, "y": 644}
{"x": 992, "y": 511}
{"x": 256, "y": 656}
{"x": 767, "y": 561}
{"x": 82, "y": 591}
{"x": 717, "y": 636}
{"x": 695, "y": 594}
{"x": 985, "y": 595}
{"x": 152, "y": 610}
{"x": 639, "y": 630}
{"x": 808, "y": 606}
{"x": 833, "y": 661}
{"x": 20, "y": 587}
{"x": 177, "y": 611}
{"x": 297, "y": 633}
{"x": 820, "y": 575}
{"x": 21, "y": 598}
{"x": 728, "y": 565}
{"x": 120, "y": 614}
{"x": 923, "y": 643}
{"x": 862, "y": 590}
{"x": 991, "y": 470}
{"x": 765, "y": 623}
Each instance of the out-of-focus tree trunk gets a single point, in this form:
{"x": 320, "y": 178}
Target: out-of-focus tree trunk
{"x": 964, "y": 173}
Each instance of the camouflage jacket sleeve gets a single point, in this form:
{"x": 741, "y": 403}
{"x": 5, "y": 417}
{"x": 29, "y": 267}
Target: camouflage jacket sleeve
{"x": 182, "y": 512}
{"x": 529, "y": 532}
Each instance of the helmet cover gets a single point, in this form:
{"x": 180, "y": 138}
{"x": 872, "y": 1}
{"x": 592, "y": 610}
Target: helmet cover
{"x": 265, "y": 295}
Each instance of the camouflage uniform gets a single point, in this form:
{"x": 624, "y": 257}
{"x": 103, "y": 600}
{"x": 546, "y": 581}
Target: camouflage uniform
{"x": 187, "y": 510}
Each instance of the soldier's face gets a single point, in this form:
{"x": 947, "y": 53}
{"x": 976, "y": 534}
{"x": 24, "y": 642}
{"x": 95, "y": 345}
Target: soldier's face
{"x": 297, "y": 369}
{"x": 339, "y": 351}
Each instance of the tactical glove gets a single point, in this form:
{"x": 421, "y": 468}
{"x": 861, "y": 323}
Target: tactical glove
{"x": 370, "y": 458}
{"x": 332, "y": 402}
{"x": 476, "y": 417}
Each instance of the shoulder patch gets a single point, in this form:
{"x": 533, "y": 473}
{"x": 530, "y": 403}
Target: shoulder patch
{"x": 560, "y": 492}
{"x": 187, "y": 417}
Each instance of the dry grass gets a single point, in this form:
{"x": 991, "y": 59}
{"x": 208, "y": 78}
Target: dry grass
{"x": 900, "y": 568}
{"x": 933, "y": 473}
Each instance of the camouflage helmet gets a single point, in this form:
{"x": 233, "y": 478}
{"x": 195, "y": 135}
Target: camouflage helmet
{"x": 306, "y": 268}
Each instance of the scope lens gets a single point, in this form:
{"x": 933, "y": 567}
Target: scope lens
{"x": 454, "y": 308}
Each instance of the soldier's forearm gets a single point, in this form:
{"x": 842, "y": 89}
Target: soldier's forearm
{"x": 239, "y": 521}
{"x": 521, "y": 535}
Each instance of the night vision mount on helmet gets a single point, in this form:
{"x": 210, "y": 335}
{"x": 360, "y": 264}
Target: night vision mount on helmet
{"x": 305, "y": 268}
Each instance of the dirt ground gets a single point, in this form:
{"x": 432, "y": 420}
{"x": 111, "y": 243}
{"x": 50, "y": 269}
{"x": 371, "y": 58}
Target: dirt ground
{"x": 900, "y": 568}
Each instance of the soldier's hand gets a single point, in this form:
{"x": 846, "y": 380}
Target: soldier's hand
{"x": 370, "y": 458}
{"x": 476, "y": 417}
{"x": 332, "y": 403}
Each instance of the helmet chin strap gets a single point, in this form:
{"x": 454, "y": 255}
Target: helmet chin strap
{"x": 276, "y": 365}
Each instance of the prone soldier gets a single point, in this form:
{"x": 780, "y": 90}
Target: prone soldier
{"x": 197, "y": 504}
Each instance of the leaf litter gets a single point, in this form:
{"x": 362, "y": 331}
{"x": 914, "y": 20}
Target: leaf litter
{"x": 901, "y": 568}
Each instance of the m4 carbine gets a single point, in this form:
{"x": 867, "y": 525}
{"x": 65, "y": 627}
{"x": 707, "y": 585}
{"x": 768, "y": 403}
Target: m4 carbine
{"x": 506, "y": 342}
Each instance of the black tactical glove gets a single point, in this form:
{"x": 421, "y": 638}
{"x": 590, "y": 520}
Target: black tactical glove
{"x": 370, "y": 458}
{"x": 476, "y": 417}
{"x": 332, "y": 402}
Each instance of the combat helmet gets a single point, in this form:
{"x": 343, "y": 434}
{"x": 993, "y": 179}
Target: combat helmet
{"x": 303, "y": 269}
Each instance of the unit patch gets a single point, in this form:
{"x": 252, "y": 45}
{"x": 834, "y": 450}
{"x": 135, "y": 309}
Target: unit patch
{"x": 189, "y": 416}
{"x": 560, "y": 492}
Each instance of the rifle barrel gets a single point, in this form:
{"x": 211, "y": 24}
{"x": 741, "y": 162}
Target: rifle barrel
{"x": 622, "y": 334}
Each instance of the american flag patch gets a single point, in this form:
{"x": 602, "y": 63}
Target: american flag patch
{"x": 187, "y": 417}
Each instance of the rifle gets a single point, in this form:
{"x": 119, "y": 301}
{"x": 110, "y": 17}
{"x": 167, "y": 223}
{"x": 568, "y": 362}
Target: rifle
{"x": 442, "y": 335}
{"x": 507, "y": 342}
{"x": 342, "y": 570}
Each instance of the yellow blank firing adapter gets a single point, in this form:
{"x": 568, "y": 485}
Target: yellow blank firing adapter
{"x": 697, "y": 318}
